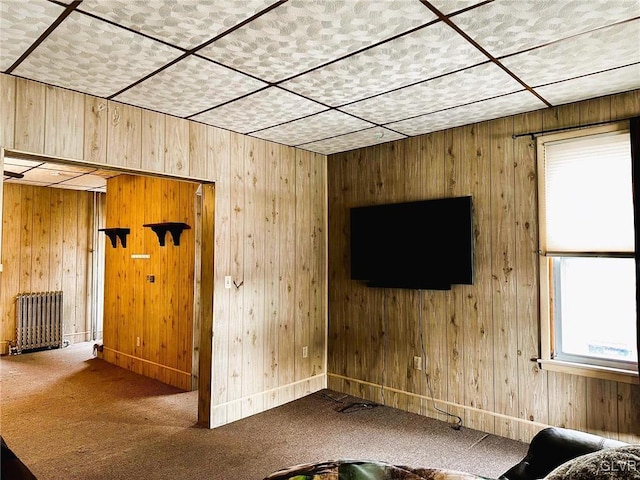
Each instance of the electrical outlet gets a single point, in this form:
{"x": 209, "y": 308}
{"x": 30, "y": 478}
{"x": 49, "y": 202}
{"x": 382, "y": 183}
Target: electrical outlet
{"x": 137, "y": 341}
{"x": 417, "y": 363}
{"x": 305, "y": 352}
{"x": 227, "y": 281}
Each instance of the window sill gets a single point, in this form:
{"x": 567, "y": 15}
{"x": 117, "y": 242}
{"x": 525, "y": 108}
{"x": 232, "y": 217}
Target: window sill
{"x": 591, "y": 371}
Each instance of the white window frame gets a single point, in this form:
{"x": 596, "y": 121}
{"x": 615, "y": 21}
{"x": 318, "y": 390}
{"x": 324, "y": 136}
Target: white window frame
{"x": 547, "y": 362}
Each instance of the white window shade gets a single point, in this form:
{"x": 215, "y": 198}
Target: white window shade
{"x": 588, "y": 194}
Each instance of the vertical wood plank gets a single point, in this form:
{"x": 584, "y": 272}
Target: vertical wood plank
{"x": 7, "y": 110}
{"x": 286, "y": 267}
{"x": 318, "y": 345}
{"x": 435, "y": 305}
{"x": 11, "y": 258}
{"x": 303, "y": 248}
{"x": 628, "y": 413}
{"x": 221, "y": 340}
{"x": 533, "y": 402}
{"x": 95, "y": 129}
{"x": 504, "y": 281}
{"x": 200, "y": 150}
{"x": 456, "y": 316}
{"x": 271, "y": 267}
{"x": 153, "y": 139}
{"x": 176, "y": 156}
{"x": 210, "y": 387}
{"x": 64, "y": 120}
{"x": 252, "y": 345}
{"x": 625, "y": 105}
{"x": 124, "y": 135}
{"x": 30, "y": 116}
{"x": 69, "y": 260}
{"x": 237, "y": 149}
{"x": 602, "y": 407}
{"x": 41, "y": 226}
{"x": 478, "y": 333}
{"x": 567, "y": 401}
{"x": 82, "y": 266}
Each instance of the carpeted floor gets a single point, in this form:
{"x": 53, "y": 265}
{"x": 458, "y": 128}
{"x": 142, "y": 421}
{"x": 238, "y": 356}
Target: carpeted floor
{"x": 69, "y": 415}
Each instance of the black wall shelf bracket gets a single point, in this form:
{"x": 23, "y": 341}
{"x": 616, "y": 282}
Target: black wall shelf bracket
{"x": 115, "y": 233}
{"x": 175, "y": 228}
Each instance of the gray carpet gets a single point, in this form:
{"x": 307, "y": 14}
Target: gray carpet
{"x": 69, "y": 415}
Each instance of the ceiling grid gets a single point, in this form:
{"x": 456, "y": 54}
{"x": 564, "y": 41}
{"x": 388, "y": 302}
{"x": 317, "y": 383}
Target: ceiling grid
{"x": 327, "y": 76}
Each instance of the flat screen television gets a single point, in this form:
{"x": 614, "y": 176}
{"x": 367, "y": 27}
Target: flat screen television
{"x": 425, "y": 244}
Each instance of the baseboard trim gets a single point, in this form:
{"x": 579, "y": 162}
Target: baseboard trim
{"x": 232, "y": 410}
{"x": 149, "y": 362}
{"x": 442, "y": 403}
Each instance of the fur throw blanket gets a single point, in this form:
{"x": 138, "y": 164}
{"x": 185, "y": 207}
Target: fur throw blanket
{"x": 359, "y": 470}
{"x": 620, "y": 463}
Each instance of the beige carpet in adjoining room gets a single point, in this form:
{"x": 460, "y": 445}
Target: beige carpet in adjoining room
{"x": 69, "y": 415}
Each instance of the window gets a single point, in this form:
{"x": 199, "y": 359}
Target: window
{"x": 587, "y": 268}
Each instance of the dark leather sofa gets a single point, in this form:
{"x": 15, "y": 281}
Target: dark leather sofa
{"x": 11, "y": 467}
{"x": 551, "y": 447}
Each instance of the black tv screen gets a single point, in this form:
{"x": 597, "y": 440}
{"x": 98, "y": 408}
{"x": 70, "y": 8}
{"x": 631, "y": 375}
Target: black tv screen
{"x": 425, "y": 244}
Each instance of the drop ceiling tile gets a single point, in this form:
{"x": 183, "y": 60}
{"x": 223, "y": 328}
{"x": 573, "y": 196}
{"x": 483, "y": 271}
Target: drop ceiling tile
{"x": 471, "y": 85}
{"x": 260, "y": 110}
{"x": 187, "y": 23}
{"x": 316, "y": 127}
{"x": 301, "y": 34}
{"x": 15, "y": 168}
{"x": 94, "y": 57}
{"x": 16, "y": 34}
{"x": 508, "y": 26}
{"x": 425, "y": 53}
{"x": 505, "y": 105}
{"x": 84, "y": 182}
{"x": 22, "y": 181}
{"x": 189, "y": 86}
{"x": 67, "y": 169}
{"x": 21, "y": 162}
{"x": 451, "y": 6}
{"x": 590, "y": 86}
{"x": 351, "y": 141}
{"x": 604, "y": 48}
{"x": 44, "y": 175}
{"x": 105, "y": 173}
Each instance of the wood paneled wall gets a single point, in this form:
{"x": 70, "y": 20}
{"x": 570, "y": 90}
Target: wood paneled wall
{"x": 270, "y": 233}
{"x": 149, "y": 324}
{"x": 478, "y": 339}
{"x": 47, "y": 240}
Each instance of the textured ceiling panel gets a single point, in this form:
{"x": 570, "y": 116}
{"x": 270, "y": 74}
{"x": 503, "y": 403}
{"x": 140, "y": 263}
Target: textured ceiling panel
{"x": 478, "y": 83}
{"x": 84, "y": 182}
{"x": 426, "y": 53}
{"x": 350, "y": 141}
{"x": 475, "y": 112}
{"x": 327, "y": 74}
{"x": 508, "y": 26}
{"x": 189, "y": 86}
{"x": 187, "y": 23}
{"x": 303, "y": 34}
{"x": 16, "y": 35}
{"x": 260, "y": 110}
{"x": 451, "y": 6}
{"x": 605, "y": 83}
{"x": 94, "y": 57}
{"x": 606, "y": 48}
{"x": 309, "y": 129}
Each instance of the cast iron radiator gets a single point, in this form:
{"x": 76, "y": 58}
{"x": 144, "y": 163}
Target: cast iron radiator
{"x": 38, "y": 321}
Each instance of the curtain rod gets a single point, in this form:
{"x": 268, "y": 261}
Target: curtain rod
{"x": 562, "y": 129}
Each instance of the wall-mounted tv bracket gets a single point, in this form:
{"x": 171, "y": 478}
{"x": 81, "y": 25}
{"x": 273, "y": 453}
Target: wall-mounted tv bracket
{"x": 175, "y": 228}
{"x": 115, "y": 233}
